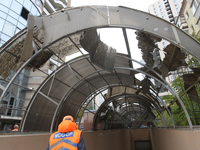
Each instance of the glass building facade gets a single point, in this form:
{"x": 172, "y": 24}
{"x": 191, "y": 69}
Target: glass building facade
{"x": 13, "y": 17}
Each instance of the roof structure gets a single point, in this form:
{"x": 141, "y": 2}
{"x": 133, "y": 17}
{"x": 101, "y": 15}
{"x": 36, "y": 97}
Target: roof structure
{"x": 72, "y": 86}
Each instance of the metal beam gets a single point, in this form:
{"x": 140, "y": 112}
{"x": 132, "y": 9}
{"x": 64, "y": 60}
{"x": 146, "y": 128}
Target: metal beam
{"x": 118, "y": 17}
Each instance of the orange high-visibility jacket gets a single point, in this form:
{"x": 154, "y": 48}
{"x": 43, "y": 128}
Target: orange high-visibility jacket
{"x": 67, "y": 140}
{"x": 67, "y": 137}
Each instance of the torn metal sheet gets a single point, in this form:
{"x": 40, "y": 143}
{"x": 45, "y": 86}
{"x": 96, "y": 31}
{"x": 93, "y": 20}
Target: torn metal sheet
{"x": 189, "y": 80}
{"x": 27, "y": 50}
{"x": 174, "y": 57}
{"x": 71, "y": 20}
{"x": 100, "y": 54}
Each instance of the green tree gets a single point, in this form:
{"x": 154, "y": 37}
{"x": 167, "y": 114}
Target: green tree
{"x": 192, "y": 107}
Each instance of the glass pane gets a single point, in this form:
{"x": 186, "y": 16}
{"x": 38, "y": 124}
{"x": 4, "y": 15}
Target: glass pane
{"x": 24, "y": 13}
{"x": 17, "y": 30}
{"x": 16, "y": 7}
{"x": 199, "y": 23}
{"x": 12, "y": 20}
{"x": 2, "y": 14}
{"x": 4, "y": 9}
{"x": 27, "y": 4}
{"x": 22, "y": 21}
{"x": 193, "y": 9}
{"x": 2, "y": 41}
{"x": 6, "y": 2}
{"x": 1, "y": 44}
{"x": 13, "y": 14}
{"x": 20, "y": 1}
{"x": 34, "y": 10}
{"x": 5, "y": 37}
{"x": 9, "y": 29}
{"x": 20, "y": 26}
{"x": 2, "y": 21}
{"x": 38, "y": 14}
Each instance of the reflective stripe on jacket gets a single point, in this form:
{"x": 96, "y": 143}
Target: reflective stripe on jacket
{"x": 65, "y": 141}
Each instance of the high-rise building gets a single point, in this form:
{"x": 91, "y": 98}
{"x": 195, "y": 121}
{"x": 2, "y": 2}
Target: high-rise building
{"x": 190, "y": 12}
{"x": 194, "y": 4}
{"x": 182, "y": 13}
{"x": 13, "y": 18}
{"x": 168, "y": 10}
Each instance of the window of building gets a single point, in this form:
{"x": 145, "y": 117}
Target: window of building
{"x": 178, "y": 10}
{"x": 2, "y": 14}
{"x": 159, "y": 4}
{"x": 11, "y": 103}
{"x": 16, "y": 7}
{"x": 20, "y": 26}
{"x": 21, "y": 75}
{"x": 13, "y": 14}
{"x": 175, "y": 1}
{"x": 22, "y": 21}
{"x": 186, "y": 15}
{"x": 24, "y": 13}
{"x": 11, "y": 20}
{"x": 164, "y": 43}
{"x": 155, "y": 10}
{"x": 192, "y": 28}
{"x": 17, "y": 30}
{"x": 178, "y": 22}
{"x": 6, "y": 3}
{"x": 27, "y": 4}
{"x": 5, "y": 37}
{"x": 198, "y": 22}
{"x": 2, "y": 21}
{"x": 9, "y": 29}
{"x": 163, "y": 15}
{"x": 4, "y": 9}
{"x": 34, "y": 11}
{"x": 197, "y": 1}
{"x": 20, "y": 1}
{"x": 194, "y": 6}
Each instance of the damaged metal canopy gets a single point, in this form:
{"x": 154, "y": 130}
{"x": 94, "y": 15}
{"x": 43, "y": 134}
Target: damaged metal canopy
{"x": 66, "y": 90}
{"x": 100, "y": 54}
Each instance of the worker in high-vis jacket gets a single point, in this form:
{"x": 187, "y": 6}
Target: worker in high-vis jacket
{"x": 67, "y": 137}
{"x": 16, "y": 128}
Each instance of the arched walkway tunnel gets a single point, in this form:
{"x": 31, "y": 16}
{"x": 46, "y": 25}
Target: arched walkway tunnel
{"x": 129, "y": 96}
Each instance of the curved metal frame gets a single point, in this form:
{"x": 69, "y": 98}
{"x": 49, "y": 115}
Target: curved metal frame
{"x": 64, "y": 97}
{"x": 109, "y": 100}
{"x": 107, "y": 16}
{"x": 118, "y": 17}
